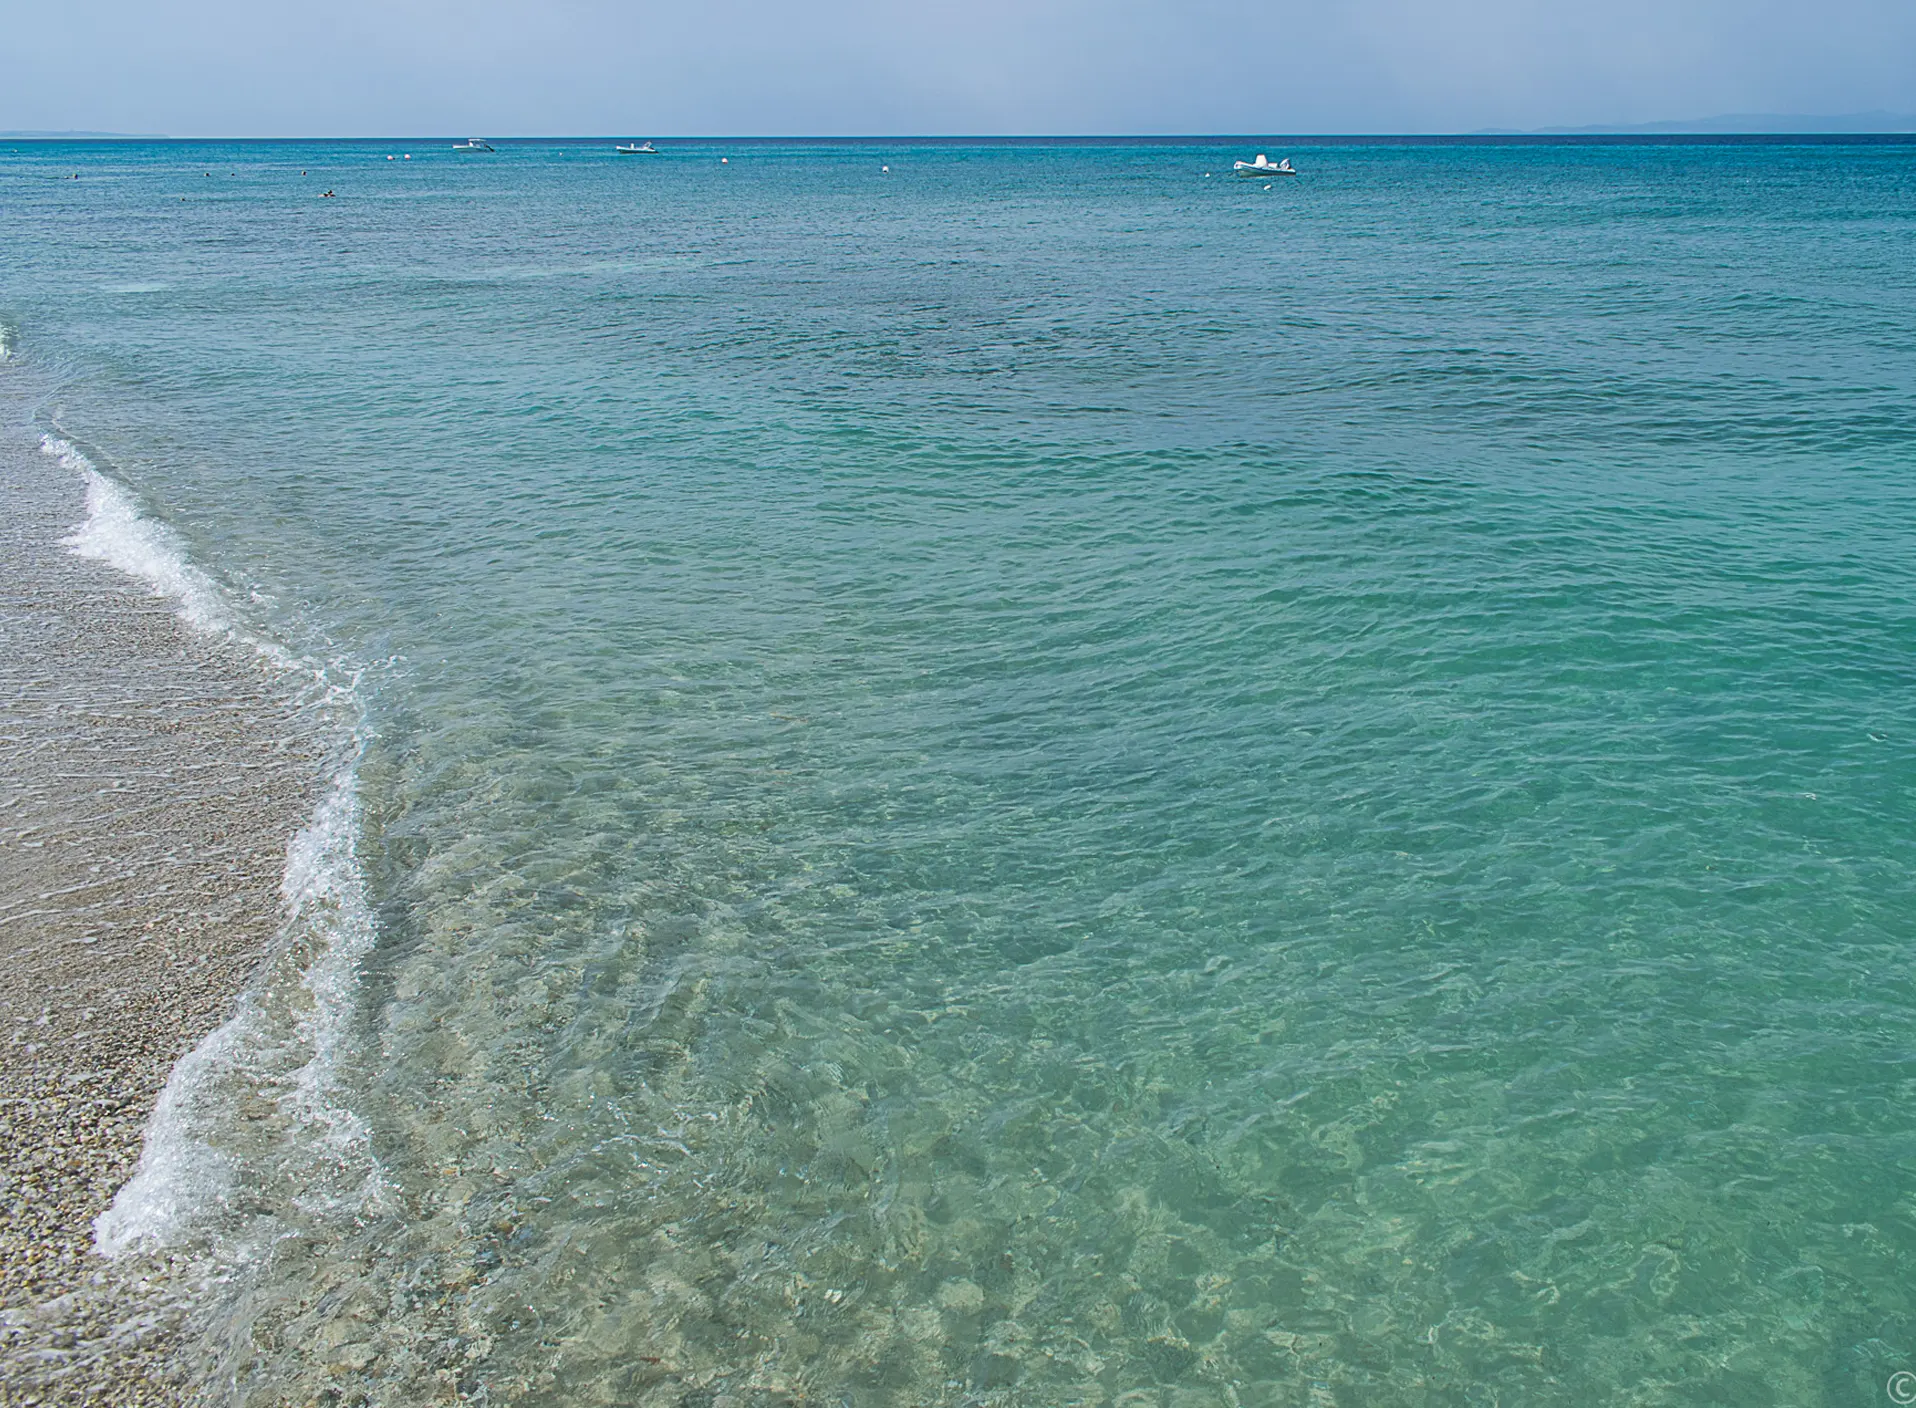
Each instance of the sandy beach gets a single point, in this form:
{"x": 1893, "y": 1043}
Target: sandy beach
{"x": 153, "y": 774}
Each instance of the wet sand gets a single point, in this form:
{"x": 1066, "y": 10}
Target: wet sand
{"x": 151, "y": 776}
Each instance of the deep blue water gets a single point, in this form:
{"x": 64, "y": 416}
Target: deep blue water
{"x": 1045, "y": 777}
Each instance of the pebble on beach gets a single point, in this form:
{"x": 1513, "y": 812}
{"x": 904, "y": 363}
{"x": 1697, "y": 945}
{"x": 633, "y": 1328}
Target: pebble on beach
{"x": 153, "y": 775}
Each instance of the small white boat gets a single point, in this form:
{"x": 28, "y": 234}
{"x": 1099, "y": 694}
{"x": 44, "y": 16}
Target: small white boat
{"x": 636, "y": 149}
{"x": 472, "y": 144}
{"x": 1263, "y": 167}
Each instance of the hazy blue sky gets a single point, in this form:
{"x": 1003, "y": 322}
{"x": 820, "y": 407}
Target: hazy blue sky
{"x": 351, "y": 67}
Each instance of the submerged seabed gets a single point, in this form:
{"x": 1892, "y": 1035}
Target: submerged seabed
{"x": 1042, "y": 778}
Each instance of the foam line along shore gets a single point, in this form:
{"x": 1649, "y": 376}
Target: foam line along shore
{"x": 156, "y": 766}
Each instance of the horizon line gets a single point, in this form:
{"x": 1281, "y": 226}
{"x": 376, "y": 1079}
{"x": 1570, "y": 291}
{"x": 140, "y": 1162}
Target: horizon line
{"x": 1582, "y": 135}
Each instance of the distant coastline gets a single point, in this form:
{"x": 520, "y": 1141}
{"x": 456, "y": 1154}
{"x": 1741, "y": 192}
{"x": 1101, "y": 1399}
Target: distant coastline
{"x": 83, "y": 136}
{"x": 1736, "y": 124}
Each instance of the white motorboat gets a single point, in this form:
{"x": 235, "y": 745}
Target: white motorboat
{"x": 636, "y": 149}
{"x": 472, "y": 144}
{"x": 1264, "y": 167}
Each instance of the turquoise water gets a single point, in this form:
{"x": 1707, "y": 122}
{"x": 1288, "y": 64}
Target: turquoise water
{"x": 1044, "y": 778}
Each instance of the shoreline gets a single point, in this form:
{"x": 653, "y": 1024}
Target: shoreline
{"x": 154, "y": 774}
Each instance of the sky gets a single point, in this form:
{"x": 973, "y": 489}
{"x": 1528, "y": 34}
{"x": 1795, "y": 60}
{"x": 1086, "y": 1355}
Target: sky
{"x": 889, "y": 67}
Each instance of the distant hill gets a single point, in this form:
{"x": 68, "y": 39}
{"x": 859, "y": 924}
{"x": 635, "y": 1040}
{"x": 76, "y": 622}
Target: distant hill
{"x": 1740, "y": 122}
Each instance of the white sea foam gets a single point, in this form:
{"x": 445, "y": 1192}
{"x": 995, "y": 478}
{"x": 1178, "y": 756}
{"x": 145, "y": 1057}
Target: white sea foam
{"x": 284, "y": 1041}
{"x": 181, "y": 1178}
{"x": 117, "y": 534}
{"x": 6, "y": 343}
{"x": 324, "y": 891}
{"x": 185, "y": 1180}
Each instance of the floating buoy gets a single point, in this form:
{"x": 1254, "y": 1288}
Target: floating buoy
{"x": 884, "y": 168}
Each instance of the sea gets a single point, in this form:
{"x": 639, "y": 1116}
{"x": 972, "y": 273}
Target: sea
{"x": 1030, "y": 773}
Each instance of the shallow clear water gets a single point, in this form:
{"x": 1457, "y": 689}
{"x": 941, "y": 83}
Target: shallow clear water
{"x": 1043, "y": 778}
